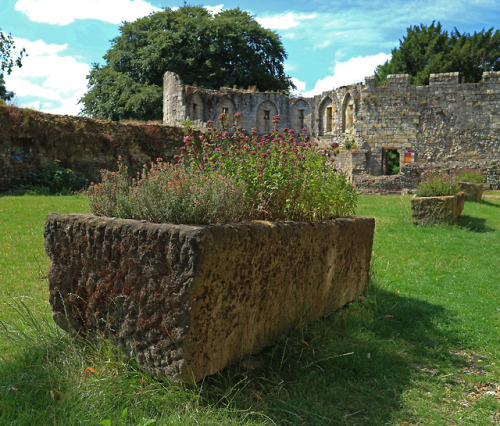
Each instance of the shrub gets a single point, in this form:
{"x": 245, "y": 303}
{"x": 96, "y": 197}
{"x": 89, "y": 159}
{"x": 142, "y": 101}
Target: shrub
{"x": 437, "y": 183}
{"x": 50, "y": 178}
{"x": 167, "y": 193}
{"x": 349, "y": 143}
{"x": 469, "y": 175}
{"x": 286, "y": 177}
{"x": 230, "y": 177}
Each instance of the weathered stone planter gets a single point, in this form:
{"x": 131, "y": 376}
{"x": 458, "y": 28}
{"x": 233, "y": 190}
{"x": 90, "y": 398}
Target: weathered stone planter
{"x": 473, "y": 191}
{"x": 432, "y": 210}
{"x": 189, "y": 300}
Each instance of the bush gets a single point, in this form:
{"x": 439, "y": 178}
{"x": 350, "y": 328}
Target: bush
{"x": 50, "y": 179}
{"x": 230, "y": 177}
{"x": 349, "y": 143}
{"x": 469, "y": 175}
{"x": 286, "y": 177}
{"x": 167, "y": 193}
{"x": 437, "y": 183}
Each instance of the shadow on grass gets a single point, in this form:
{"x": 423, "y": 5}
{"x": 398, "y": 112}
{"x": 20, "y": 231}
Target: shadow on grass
{"x": 489, "y": 203}
{"x": 349, "y": 368}
{"x": 473, "y": 224}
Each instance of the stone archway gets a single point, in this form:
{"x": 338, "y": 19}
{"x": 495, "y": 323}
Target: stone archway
{"x": 326, "y": 117}
{"x": 300, "y": 112}
{"x": 348, "y": 114}
{"x": 265, "y": 113}
{"x": 227, "y": 107}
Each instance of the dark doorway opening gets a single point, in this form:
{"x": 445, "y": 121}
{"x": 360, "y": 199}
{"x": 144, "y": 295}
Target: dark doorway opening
{"x": 390, "y": 162}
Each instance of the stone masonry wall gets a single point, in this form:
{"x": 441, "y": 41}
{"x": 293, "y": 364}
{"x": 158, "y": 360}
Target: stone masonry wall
{"x": 446, "y": 123}
{"x": 29, "y": 138}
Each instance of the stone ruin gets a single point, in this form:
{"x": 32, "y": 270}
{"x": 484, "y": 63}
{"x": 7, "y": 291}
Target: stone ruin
{"x": 447, "y": 124}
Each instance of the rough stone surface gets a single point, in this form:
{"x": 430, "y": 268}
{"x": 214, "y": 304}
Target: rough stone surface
{"x": 446, "y": 123}
{"x": 433, "y": 210}
{"x": 189, "y": 300}
{"x": 472, "y": 191}
{"x": 30, "y": 138}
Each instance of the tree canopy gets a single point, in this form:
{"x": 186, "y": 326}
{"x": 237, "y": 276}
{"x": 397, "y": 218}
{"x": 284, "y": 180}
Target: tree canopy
{"x": 210, "y": 51}
{"x": 8, "y": 61}
{"x": 426, "y": 50}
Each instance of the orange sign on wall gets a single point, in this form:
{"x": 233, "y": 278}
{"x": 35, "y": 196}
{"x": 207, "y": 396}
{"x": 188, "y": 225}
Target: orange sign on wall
{"x": 409, "y": 156}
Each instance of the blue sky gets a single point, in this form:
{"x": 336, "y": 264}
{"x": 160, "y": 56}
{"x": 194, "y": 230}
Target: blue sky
{"x": 329, "y": 43}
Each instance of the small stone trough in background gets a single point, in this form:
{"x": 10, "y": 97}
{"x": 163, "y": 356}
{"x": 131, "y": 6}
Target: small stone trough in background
{"x": 435, "y": 210}
{"x": 186, "y": 301}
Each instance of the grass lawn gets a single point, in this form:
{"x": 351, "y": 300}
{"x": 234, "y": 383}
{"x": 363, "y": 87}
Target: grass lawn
{"x": 420, "y": 347}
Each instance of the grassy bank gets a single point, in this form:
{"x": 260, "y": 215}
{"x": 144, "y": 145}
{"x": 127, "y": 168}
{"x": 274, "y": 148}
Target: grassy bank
{"x": 420, "y": 347}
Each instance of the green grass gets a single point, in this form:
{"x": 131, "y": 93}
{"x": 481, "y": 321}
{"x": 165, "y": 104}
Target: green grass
{"x": 420, "y": 347}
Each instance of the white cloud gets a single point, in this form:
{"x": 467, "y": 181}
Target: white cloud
{"x": 284, "y": 21}
{"x": 322, "y": 44}
{"x": 300, "y": 86}
{"x": 214, "y": 10}
{"x": 63, "y": 12}
{"x": 58, "y": 81}
{"x": 352, "y": 71}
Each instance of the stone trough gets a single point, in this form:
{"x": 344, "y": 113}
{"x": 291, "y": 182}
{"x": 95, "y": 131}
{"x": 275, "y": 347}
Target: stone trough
{"x": 472, "y": 191}
{"x": 435, "y": 210}
{"x": 186, "y": 301}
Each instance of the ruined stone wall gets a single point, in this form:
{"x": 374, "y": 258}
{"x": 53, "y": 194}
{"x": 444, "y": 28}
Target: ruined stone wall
{"x": 446, "y": 123}
{"x": 29, "y": 138}
{"x": 182, "y": 102}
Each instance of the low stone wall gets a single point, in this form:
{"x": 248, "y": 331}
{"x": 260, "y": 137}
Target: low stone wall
{"x": 30, "y": 138}
{"x": 368, "y": 185}
{"x": 189, "y": 300}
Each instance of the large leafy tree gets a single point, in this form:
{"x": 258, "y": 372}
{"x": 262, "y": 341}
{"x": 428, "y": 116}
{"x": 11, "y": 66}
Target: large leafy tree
{"x": 210, "y": 51}
{"x": 9, "y": 58}
{"x": 426, "y": 50}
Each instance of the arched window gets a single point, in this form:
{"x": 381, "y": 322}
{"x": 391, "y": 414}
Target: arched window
{"x": 265, "y": 113}
{"x": 326, "y": 117}
{"x": 348, "y": 114}
{"x": 300, "y": 113}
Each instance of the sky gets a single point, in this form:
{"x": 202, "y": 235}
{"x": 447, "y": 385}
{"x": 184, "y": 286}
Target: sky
{"x": 329, "y": 43}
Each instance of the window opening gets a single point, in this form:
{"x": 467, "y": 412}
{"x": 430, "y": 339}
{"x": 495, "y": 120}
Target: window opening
{"x": 390, "y": 162}
{"x": 301, "y": 118}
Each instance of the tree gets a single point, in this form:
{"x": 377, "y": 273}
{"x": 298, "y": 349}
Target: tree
{"x": 7, "y": 62}
{"x": 426, "y": 50}
{"x": 210, "y": 51}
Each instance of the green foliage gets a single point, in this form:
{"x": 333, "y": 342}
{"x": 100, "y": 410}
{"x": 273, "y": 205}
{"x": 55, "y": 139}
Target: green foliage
{"x": 393, "y": 162}
{"x": 437, "y": 183}
{"x": 426, "y": 50}
{"x": 427, "y": 326}
{"x": 115, "y": 96}
{"x": 286, "y": 178}
{"x": 349, "y": 143}
{"x": 8, "y": 61}
{"x": 230, "y": 178}
{"x": 50, "y": 178}
{"x": 170, "y": 194}
{"x": 469, "y": 175}
{"x": 227, "y": 49}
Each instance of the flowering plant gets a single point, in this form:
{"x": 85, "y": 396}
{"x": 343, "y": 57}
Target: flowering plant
{"x": 437, "y": 183}
{"x": 164, "y": 193}
{"x": 469, "y": 175}
{"x": 287, "y": 177}
{"x": 227, "y": 176}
